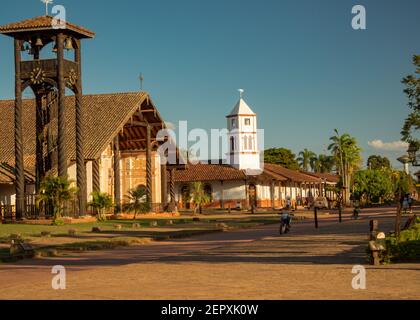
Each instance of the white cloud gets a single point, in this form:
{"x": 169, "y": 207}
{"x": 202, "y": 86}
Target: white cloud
{"x": 388, "y": 146}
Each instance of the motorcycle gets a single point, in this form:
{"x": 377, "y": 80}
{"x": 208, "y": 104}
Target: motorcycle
{"x": 284, "y": 226}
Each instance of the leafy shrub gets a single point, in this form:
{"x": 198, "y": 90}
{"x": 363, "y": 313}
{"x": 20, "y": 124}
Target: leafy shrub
{"x": 407, "y": 248}
{"x": 58, "y": 222}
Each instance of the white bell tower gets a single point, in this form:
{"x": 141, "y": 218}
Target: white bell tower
{"x": 244, "y": 153}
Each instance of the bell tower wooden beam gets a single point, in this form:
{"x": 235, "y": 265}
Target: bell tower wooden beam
{"x": 19, "y": 166}
{"x": 40, "y": 168}
{"x": 117, "y": 176}
{"x": 149, "y": 176}
{"x": 62, "y": 157}
{"x": 80, "y": 158}
{"x": 164, "y": 188}
{"x": 96, "y": 177}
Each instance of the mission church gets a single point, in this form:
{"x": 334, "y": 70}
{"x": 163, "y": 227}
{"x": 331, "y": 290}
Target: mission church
{"x": 107, "y": 142}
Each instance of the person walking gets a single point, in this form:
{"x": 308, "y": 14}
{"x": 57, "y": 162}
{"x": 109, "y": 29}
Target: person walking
{"x": 405, "y": 203}
{"x": 410, "y": 203}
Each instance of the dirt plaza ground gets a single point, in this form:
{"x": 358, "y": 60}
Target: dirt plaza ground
{"x": 254, "y": 263}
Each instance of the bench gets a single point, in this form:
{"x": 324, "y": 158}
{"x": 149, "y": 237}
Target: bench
{"x": 21, "y": 250}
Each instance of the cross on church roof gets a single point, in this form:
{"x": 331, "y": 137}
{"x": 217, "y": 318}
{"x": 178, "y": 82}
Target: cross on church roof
{"x": 47, "y": 3}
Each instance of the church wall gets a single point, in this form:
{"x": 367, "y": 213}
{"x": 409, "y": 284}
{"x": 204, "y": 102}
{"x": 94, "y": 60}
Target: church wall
{"x": 234, "y": 192}
{"x": 7, "y": 194}
{"x": 72, "y": 173}
{"x": 133, "y": 174}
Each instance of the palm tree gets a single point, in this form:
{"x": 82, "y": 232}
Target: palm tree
{"x": 347, "y": 157}
{"x": 304, "y": 159}
{"x": 322, "y": 163}
{"x": 138, "y": 201}
{"x": 56, "y": 191}
{"x": 198, "y": 196}
{"x": 315, "y": 164}
{"x": 327, "y": 163}
{"x": 100, "y": 202}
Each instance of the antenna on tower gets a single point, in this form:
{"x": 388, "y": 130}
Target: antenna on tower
{"x": 141, "y": 78}
{"x": 241, "y": 93}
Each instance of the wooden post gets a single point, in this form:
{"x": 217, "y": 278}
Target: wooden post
{"x": 273, "y": 205}
{"x": 39, "y": 170}
{"x": 19, "y": 166}
{"x": 222, "y": 199}
{"x": 80, "y": 158}
{"x": 164, "y": 186}
{"x": 62, "y": 156}
{"x": 398, "y": 217}
{"x": 50, "y": 162}
{"x": 149, "y": 164}
{"x": 316, "y": 217}
{"x": 172, "y": 190}
{"x": 340, "y": 215}
{"x": 96, "y": 177}
{"x": 117, "y": 176}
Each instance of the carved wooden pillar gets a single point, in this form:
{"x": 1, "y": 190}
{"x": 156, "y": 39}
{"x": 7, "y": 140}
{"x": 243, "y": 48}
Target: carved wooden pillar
{"x": 96, "y": 177}
{"x": 62, "y": 156}
{"x": 50, "y": 144}
{"x": 172, "y": 189}
{"x": 39, "y": 170}
{"x": 222, "y": 195}
{"x": 272, "y": 189}
{"x": 149, "y": 164}
{"x": 80, "y": 158}
{"x": 19, "y": 167}
{"x": 164, "y": 186}
{"x": 117, "y": 176}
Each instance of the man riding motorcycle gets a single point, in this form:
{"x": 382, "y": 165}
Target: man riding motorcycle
{"x": 285, "y": 220}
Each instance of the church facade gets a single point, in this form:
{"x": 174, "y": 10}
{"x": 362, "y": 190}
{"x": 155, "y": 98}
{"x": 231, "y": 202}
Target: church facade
{"x": 116, "y": 149}
{"x": 246, "y": 181}
{"x": 103, "y": 143}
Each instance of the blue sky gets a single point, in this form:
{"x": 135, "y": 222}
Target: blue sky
{"x": 304, "y": 69}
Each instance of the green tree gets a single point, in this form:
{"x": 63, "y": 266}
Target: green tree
{"x": 402, "y": 184}
{"x": 137, "y": 201}
{"x": 281, "y": 156}
{"x": 347, "y": 158}
{"x": 56, "y": 191}
{"x": 377, "y": 162}
{"x": 412, "y": 90}
{"x": 373, "y": 186}
{"x": 305, "y": 158}
{"x": 198, "y": 196}
{"x": 322, "y": 163}
{"x": 100, "y": 202}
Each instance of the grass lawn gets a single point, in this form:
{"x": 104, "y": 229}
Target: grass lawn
{"x": 118, "y": 233}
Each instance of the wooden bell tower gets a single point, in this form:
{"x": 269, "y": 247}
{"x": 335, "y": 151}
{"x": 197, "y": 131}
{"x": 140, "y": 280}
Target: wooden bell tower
{"x": 48, "y": 79}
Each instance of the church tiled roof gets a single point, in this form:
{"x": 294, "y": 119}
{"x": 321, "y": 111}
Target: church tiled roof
{"x": 105, "y": 116}
{"x": 328, "y": 177}
{"x": 223, "y": 172}
{"x": 291, "y": 175}
{"x": 42, "y": 23}
{"x": 209, "y": 172}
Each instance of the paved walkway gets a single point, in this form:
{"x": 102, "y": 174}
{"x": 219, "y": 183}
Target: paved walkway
{"x": 245, "y": 264}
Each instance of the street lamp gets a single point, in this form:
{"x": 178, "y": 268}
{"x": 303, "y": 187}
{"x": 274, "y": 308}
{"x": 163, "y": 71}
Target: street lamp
{"x": 405, "y": 160}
